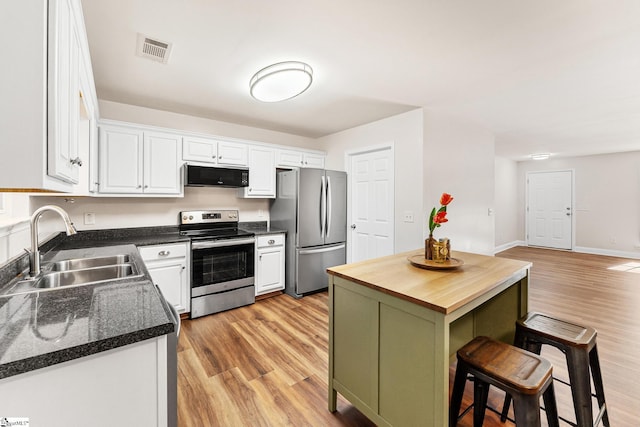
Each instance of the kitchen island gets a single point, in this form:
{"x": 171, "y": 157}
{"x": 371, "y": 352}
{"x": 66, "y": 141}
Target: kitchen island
{"x": 394, "y": 330}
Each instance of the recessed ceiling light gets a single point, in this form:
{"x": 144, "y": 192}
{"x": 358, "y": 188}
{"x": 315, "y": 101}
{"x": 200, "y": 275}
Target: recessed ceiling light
{"x": 281, "y": 81}
{"x": 540, "y": 156}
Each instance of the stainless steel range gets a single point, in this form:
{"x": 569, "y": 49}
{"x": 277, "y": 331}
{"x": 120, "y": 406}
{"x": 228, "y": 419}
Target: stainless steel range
{"x": 222, "y": 261}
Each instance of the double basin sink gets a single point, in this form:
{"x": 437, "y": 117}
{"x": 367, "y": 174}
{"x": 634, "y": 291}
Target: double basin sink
{"x": 79, "y": 271}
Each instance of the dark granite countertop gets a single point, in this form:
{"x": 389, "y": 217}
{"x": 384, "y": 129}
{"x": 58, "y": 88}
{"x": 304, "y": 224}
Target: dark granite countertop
{"x": 260, "y": 228}
{"x": 40, "y": 329}
{"x": 43, "y": 328}
{"x": 139, "y": 236}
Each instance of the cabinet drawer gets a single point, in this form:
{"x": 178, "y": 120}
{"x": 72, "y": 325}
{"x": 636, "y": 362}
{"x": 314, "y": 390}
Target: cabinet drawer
{"x": 157, "y": 252}
{"x": 270, "y": 240}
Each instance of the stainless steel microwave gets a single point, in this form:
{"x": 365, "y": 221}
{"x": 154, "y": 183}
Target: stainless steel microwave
{"x": 209, "y": 176}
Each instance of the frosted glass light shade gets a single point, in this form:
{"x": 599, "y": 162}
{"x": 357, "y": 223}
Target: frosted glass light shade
{"x": 281, "y": 81}
{"x": 540, "y": 156}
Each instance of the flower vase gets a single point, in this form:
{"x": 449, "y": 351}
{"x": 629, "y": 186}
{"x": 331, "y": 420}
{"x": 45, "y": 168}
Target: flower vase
{"x": 429, "y": 247}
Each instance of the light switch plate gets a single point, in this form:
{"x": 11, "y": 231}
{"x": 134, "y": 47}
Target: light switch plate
{"x": 408, "y": 216}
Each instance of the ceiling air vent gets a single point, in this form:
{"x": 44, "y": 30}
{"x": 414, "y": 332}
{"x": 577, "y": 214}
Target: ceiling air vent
{"x": 153, "y": 49}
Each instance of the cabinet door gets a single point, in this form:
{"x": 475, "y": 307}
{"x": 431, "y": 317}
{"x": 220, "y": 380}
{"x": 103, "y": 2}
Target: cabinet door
{"x": 290, "y": 158}
{"x": 270, "y": 269}
{"x": 200, "y": 150}
{"x": 161, "y": 170}
{"x": 120, "y": 160}
{"x": 171, "y": 277}
{"x": 313, "y": 161}
{"x": 63, "y": 93}
{"x": 262, "y": 173}
{"x": 231, "y": 153}
{"x": 168, "y": 265}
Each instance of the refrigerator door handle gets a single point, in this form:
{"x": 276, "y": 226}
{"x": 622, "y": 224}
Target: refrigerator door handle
{"x": 320, "y": 250}
{"x": 323, "y": 206}
{"x": 328, "y": 207}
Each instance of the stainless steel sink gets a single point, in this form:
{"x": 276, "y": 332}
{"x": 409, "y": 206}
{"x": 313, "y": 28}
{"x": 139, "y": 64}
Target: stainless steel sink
{"x": 82, "y": 263}
{"x": 84, "y": 276}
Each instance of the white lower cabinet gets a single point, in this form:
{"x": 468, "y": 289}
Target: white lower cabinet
{"x": 168, "y": 266}
{"x": 129, "y": 384}
{"x": 269, "y": 263}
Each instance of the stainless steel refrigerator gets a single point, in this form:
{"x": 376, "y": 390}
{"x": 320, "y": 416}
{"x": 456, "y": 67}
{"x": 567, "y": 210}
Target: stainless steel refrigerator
{"x": 311, "y": 205}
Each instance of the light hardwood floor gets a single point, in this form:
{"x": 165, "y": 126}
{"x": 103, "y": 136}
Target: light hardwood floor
{"x": 266, "y": 364}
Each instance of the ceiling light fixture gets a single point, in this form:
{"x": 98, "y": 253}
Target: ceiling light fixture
{"x": 540, "y": 156}
{"x": 281, "y": 81}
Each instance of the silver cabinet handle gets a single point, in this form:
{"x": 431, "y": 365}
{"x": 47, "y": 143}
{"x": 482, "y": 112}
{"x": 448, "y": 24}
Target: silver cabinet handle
{"x": 139, "y": 186}
{"x": 146, "y": 186}
{"x": 353, "y": 226}
{"x": 76, "y": 161}
{"x": 271, "y": 241}
{"x": 164, "y": 253}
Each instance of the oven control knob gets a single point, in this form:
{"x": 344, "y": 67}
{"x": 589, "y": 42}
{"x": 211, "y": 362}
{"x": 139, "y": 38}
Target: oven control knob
{"x": 190, "y": 216}
{"x": 184, "y": 217}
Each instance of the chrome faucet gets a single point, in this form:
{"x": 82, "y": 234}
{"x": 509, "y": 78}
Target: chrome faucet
{"x": 34, "y": 256}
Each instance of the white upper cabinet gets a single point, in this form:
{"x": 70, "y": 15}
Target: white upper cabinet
{"x": 160, "y": 166}
{"x": 40, "y": 104}
{"x": 300, "y": 159}
{"x": 64, "y": 93}
{"x": 199, "y": 150}
{"x": 205, "y": 150}
{"x": 120, "y": 160}
{"x": 313, "y": 160}
{"x": 136, "y": 161}
{"x": 262, "y": 173}
{"x": 232, "y": 153}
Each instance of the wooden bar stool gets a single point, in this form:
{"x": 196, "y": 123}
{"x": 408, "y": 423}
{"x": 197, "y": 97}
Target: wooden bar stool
{"x": 578, "y": 343}
{"x": 523, "y": 375}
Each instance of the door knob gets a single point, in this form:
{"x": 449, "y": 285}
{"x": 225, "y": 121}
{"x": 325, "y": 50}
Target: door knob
{"x": 353, "y": 226}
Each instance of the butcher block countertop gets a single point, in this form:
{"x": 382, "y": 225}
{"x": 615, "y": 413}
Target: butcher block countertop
{"x": 443, "y": 291}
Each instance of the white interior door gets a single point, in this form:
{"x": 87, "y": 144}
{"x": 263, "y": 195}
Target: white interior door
{"x": 549, "y": 207}
{"x": 371, "y": 204}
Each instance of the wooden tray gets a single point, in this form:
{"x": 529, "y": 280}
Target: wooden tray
{"x": 420, "y": 262}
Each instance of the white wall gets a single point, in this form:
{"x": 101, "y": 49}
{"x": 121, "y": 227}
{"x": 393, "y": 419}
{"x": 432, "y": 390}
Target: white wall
{"x": 459, "y": 160}
{"x": 607, "y": 197}
{"x": 507, "y": 208}
{"x": 404, "y": 131}
{"x": 147, "y": 116}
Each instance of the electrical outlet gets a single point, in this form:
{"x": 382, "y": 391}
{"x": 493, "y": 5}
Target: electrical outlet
{"x": 408, "y": 216}
{"x": 89, "y": 218}
{"x": 260, "y": 213}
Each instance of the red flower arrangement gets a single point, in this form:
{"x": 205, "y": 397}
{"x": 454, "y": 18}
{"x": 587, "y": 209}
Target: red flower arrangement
{"x": 439, "y": 216}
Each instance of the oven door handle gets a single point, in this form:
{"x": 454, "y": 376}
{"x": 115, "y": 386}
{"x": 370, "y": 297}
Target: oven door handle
{"x": 221, "y": 243}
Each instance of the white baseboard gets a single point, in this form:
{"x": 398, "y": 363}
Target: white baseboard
{"x": 607, "y": 252}
{"x": 580, "y": 249}
{"x": 509, "y": 245}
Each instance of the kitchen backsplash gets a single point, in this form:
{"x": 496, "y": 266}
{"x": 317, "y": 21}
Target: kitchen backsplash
{"x": 123, "y": 212}
{"x": 116, "y": 212}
